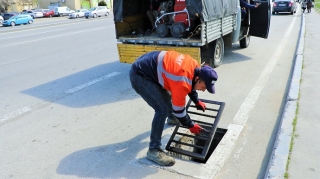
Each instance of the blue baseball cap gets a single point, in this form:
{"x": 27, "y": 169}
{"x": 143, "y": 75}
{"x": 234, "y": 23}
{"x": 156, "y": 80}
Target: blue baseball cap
{"x": 209, "y": 76}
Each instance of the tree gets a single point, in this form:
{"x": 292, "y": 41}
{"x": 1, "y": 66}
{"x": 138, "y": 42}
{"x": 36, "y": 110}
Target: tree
{"x": 22, "y": 3}
{"x": 5, "y": 4}
{"x": 102, "y": 3}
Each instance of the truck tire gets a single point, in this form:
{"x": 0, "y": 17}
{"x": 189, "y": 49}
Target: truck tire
{"x": 218, "y": 52}
{"x": 213, "y": 53}
{"x": 244, "y": 43}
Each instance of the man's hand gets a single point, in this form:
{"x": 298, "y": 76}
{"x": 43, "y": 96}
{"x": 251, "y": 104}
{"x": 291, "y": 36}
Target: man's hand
{"x": 196, "y": 129}
{"x": 201, "y": 106}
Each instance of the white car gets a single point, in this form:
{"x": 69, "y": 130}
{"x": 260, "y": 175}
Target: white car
{"x": 78, "y": 13}
{"x": 1, "y": 20}
{"x": 97, "y": 11}
{"x": 62, "y": 11}
{"x": 33, "y": 14}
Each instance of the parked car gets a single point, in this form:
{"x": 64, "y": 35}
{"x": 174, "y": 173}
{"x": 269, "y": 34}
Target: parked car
{"x": 62, "y": 11}
{"x": 18, "y": 19}
{"x": 1, "y": 19}
{"x": 47, "y": 13}
{"x": 33, "y": 13}
{"x": 78, "y": 13}
{"x": 97, "y": 11}
{"x": 7, "y": 15}
{"x": 284, "y": 6}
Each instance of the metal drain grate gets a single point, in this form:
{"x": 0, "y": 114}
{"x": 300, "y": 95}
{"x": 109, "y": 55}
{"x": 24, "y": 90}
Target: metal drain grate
{"x": 208, "y": 120}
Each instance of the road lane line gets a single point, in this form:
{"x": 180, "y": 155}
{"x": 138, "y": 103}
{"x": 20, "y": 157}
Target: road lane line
{"x": 53, "y": 37}
{"x": 70, "y": 91}
{"x": 30, "y": 34}
{"x": 80, "y": 87}
{"x": 223, "y": 150}
{"x": 13, "y": 61}
{"x": 16, "y": 113}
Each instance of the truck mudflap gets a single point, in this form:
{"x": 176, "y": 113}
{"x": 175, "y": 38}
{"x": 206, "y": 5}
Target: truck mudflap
{"x": 128, "y": 53}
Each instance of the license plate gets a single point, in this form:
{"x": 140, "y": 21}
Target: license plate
{"x": 282, "y": 4}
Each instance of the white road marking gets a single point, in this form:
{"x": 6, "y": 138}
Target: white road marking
{"x": 13, "y": 61}
{"x": 30, "y": 34}
{"x": 53, "y": 37}
{"x": 223, "y": 150}
{"x": 16, "y": 113}
{"x": 80, "y": 87}
{"x": 70, "y": 91}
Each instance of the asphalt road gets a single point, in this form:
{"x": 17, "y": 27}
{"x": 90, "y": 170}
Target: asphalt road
{"x": 67, "y": 109}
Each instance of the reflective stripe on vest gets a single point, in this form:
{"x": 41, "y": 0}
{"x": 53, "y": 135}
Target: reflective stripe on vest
{"x": 161, "y": 70}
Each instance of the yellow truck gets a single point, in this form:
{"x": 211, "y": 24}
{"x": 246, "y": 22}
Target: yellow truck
{"x": 200, "y": 28}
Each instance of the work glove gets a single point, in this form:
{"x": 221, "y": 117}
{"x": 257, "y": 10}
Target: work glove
{"x": 201, "y": 106}
{"x": 196, "y": 129}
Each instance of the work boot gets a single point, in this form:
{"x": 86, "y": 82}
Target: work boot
{"x": 173, "y": 121}
{"x": 158, "y": 156}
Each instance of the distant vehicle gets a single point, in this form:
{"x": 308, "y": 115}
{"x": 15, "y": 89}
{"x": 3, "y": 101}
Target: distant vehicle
{"x": 18, "y": 19}
{"x": 62, "y": 11}
{"x": 78, "y": 13}
{"x": 7, "y": 15}
{"x": 284, "y": 6}
{"x": 97, "y": 11}
{"x": 47, "y": 13}
{"x": 33, "y": 14}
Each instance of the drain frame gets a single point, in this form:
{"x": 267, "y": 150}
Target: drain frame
{"x": 208, "y": 136}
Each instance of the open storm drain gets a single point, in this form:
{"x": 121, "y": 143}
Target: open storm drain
{"x": 186, "y": 145}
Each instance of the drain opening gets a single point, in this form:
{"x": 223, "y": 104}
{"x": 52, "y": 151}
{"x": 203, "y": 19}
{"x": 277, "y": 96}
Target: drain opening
{"x": 216, "y": 140}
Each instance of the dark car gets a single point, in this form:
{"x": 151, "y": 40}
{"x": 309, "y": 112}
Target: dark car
{"x": 284, "y": 6}
{"x": 8, "y": 15}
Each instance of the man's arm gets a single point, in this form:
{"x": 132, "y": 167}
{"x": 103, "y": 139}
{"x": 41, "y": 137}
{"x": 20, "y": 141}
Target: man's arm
{"x": 245, "y": 4}
{"x": 193, "y": 95}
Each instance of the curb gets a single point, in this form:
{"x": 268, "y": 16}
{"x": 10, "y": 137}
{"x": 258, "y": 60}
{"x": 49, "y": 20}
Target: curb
{"x": 279, "y": 157}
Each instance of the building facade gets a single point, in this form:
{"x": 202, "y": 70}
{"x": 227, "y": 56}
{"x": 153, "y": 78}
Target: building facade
{"x": 72, "y": 4}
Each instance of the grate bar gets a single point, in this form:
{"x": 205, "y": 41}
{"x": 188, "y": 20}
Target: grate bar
{"x": 187, "y": 153}
{"x": 191, "y": 136}
{"x": 210, "y": 109}
{"x": 190, "y": 145}
{"x": 200, "y": 114}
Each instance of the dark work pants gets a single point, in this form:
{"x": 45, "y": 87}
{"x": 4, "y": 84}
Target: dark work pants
{"x": 159, "y": 99}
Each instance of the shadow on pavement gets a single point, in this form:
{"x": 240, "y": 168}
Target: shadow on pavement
{"x": 109, "y": 161}
{"x": 95, "y": 87}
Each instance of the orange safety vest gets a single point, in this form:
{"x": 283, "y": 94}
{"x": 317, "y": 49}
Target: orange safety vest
{"x": 175, "y": 73}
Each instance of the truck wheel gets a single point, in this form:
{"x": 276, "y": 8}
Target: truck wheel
{"x": 218, "y": 52}
{"x": 213, "y": 53}
{"x": 244, "y": 43}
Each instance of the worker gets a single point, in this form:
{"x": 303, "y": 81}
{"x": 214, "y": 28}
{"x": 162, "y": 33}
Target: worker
{"x": 164, "y": 79}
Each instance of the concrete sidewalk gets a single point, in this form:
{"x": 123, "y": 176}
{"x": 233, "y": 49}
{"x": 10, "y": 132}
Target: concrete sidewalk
{"x": 303, "y": 108}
